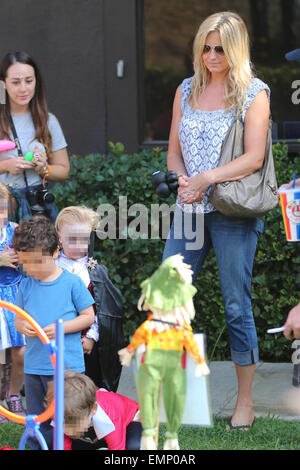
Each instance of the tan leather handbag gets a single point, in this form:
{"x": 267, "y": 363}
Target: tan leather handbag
{"x": 254, "y": 195}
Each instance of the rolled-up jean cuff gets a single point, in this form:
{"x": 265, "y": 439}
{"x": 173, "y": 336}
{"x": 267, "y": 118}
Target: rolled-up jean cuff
{"x": 245, "y": 358}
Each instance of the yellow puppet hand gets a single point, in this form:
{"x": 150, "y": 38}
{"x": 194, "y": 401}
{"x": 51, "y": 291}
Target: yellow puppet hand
{"x": 202, "y": 369}
{"x": 125, "y": 357}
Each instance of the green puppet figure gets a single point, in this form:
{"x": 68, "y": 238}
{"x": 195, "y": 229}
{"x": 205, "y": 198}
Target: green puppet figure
{"x": 168, "y": 296}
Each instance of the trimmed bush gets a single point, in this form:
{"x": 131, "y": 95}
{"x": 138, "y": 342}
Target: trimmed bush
{"x": 100, "y": 179}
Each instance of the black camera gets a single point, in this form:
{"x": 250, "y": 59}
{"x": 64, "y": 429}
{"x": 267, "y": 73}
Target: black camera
{"x": 38, "y": 197}
{"x": 165, "y": 183}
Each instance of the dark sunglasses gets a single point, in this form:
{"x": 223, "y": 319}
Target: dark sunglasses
{"x": 218, "y": 49}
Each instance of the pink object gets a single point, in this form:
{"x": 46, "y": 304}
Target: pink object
{"x": 6, "y": 145}
{"x": 121, "y": 410}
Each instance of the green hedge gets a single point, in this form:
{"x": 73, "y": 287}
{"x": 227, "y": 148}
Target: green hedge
{"x": 97, "y": 179}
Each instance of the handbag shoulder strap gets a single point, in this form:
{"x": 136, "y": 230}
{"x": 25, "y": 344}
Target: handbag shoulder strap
{"x": 239, "y": 116}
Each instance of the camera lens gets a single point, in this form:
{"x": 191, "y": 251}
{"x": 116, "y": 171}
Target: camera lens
{"x": 46, "y": 196}
{"x": 49, "y": 197}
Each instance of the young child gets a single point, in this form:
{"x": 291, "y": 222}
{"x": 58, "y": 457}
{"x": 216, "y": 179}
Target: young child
{"x": 113, "y": 416}
{"x": 10, "y": 279}
{"x": 101, "y": 342}
{"x": 47, "y": 294}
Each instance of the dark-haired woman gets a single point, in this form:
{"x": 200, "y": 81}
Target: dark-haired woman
{"x": 37, "y": 130}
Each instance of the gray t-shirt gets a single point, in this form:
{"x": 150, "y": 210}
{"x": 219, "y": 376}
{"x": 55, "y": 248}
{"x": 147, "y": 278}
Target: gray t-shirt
{"x": 26, "y": 133}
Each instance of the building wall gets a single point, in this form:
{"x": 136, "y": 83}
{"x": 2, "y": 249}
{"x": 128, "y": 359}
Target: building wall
{"x": 76, "y": 44}
{"x": 123, "y": 41}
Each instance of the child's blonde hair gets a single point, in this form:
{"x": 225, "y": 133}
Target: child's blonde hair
{"x": 4, "y": 192}
{"x": 78, "y": 215}
{"x": 79, "y": 396}
{"x": 6, "y": 195}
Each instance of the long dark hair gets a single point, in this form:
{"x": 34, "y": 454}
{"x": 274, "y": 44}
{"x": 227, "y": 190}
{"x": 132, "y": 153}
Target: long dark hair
{"x": 38, "y": 105}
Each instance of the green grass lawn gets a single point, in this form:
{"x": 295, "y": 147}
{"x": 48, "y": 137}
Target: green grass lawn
{"x": 266, "y": 434}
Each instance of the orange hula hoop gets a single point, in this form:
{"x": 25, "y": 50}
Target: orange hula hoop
{"x": 47, "y": 414}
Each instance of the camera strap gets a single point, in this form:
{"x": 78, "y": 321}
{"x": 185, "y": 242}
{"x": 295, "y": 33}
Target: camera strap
{"x": 19, "y": 148}
{"x": 16, "y": 139}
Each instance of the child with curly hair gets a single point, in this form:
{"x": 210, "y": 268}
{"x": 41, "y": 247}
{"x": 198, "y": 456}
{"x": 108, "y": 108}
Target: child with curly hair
{"x": 47, "y": 294}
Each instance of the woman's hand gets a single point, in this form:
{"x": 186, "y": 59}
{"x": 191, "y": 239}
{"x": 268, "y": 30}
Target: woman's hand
{"x": 16, "y": 165}
{"x": 39, "y": 165}
{"x": 192, "y": 189}
{"x": 58, "y": 160}
{"x": 292, "y": 324}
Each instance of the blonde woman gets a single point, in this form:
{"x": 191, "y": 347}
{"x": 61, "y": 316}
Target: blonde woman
{"x": 203, "y": 111}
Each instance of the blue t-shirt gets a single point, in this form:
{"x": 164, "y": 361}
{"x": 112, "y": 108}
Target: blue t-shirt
{"x": 46, "y": 302}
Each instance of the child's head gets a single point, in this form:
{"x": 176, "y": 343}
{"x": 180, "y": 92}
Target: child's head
{"x": 4, "y": 201}
{"x": 36, "y": 242}
{"x": 74, "y": 225}
{"x": 79, "y": 402}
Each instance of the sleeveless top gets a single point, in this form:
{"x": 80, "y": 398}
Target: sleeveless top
{"x": 201, "y": 135}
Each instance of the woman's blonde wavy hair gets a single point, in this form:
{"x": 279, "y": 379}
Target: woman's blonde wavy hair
{"x": 235, "y": 42}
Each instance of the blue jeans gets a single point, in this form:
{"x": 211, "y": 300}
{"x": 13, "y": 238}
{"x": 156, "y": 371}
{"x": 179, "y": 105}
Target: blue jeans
{"x": 234, "y": 241}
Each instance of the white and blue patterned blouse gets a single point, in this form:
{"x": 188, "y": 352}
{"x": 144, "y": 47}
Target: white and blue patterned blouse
{"x": 201, "y": 134}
